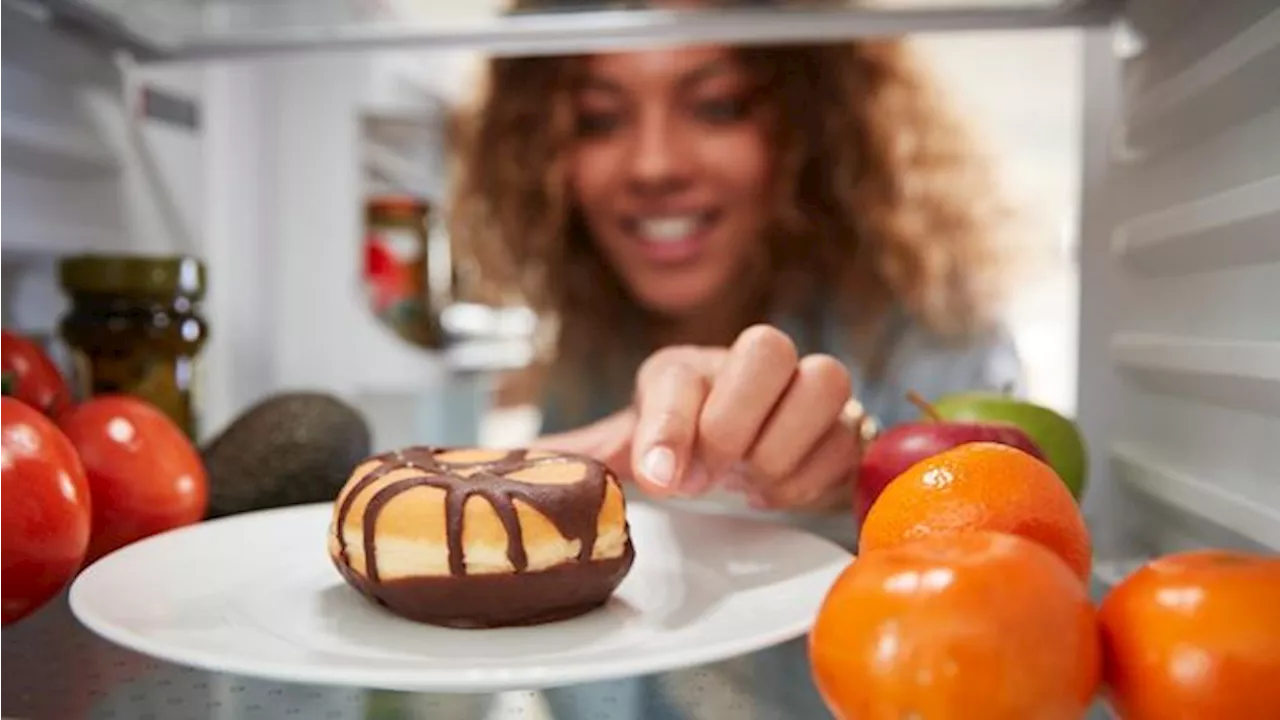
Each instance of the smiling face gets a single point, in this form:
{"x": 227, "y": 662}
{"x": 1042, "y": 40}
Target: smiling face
{"x": 670, "y": 171}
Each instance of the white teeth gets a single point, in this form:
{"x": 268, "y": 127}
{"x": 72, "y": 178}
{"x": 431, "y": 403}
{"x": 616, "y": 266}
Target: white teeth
{"x": 668, "y": 229}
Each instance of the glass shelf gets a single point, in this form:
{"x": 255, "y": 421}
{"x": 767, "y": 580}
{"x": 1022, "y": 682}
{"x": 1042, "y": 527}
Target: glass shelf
{"x": 203, "y": 29}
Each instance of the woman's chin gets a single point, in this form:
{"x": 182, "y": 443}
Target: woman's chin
{"x": 687, "y": 292}
{"x": 675, "y": 303}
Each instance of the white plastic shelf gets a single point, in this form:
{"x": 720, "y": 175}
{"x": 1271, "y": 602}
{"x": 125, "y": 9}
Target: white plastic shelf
{"x": 1229, "y": 229}
{"x": 43, "y": 149}
{"x": 1210, "y": 501}
{"x": 1242, "y": 374}
{"x": 234, "y": 28}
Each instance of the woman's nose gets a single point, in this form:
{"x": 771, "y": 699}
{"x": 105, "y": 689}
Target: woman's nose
{"x": 660, "y": 159}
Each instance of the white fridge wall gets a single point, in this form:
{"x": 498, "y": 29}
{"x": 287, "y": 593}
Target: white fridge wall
{"x": 1181, "y": 279}
{"x": 267, "y": 191}
{"x": 61, "y": 180}
{"x": 284, "y": 247}
{"x": 81, "y": 172}
{"x": 155, "y": 189}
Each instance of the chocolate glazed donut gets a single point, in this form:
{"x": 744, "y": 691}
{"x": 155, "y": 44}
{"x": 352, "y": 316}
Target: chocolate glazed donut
{"x": 567, "y": 581}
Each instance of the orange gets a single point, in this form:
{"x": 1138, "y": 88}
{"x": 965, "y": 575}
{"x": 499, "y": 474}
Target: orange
{"x": 981, "y": 486}
{"x": 977, "y": 625}
{"x": 1195, "y": 635}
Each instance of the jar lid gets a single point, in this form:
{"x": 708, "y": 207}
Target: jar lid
{"x": 133, "y": 275}
{"x": 397, "y": 204}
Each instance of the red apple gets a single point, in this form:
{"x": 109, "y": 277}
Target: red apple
{"x": 904, "y": 445}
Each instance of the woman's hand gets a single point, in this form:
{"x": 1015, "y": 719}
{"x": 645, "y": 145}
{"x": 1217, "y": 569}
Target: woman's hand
{"x": 754, "y": 416}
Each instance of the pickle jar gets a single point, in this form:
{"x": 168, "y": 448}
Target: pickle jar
{"x": 397, "y": 272}
{"x": 134, "y": 327}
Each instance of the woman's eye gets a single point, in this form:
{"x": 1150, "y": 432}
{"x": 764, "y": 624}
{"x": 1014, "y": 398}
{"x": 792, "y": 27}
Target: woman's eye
{"x": 720, "y": 111}
{"x": 597, "y": 123}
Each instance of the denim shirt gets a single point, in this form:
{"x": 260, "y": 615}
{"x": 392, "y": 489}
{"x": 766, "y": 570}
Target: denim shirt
{"x": 920, "y": 361}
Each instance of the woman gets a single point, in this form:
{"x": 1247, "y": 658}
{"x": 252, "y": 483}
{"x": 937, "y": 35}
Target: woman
{"x": 726, "y": 244}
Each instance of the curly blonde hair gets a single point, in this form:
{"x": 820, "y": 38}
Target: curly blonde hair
{"x": 882, "y": 199}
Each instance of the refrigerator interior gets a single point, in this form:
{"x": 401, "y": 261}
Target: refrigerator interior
{"x": 1159, "y": 146}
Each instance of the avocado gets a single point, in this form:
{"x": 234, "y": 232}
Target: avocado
{"x": 289, "y": 449}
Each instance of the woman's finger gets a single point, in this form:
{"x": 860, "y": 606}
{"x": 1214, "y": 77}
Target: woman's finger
{"x": 755, "y": 375}
{"x": 826, "y": 473}
{"x": 669, "y": 396}
{"x": 810, "y": 407}
{"x": 607, "y": 440}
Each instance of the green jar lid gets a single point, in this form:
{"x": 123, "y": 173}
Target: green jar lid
{"x": 133, "y": 275}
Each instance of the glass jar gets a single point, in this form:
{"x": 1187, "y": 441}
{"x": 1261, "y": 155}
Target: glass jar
{"x": 397, "y": 268}
{"x": 134, "y": 327}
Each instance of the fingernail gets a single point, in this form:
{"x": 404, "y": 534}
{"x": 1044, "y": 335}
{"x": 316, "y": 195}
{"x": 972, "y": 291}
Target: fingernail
{"x": 659, "y": 465}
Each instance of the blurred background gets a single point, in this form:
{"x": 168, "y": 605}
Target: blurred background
{"x": 342, "y": 159}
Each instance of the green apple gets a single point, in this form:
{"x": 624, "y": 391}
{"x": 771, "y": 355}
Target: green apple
{"x": 1057, "y": 436}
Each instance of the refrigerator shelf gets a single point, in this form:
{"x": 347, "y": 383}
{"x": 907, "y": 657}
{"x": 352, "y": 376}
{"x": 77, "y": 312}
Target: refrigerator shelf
{"x": 206, "y": 29}
{"x": 57, "y": 151}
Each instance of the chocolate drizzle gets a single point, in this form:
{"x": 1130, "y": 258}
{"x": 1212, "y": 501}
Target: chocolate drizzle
{"x": 574, "y": 518}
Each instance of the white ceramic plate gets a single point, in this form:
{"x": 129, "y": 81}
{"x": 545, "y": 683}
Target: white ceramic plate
{"x": 256, "y": 595}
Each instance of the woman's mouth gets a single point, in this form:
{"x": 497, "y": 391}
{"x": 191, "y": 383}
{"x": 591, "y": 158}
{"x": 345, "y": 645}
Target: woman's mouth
{"x": 671, "y": 238}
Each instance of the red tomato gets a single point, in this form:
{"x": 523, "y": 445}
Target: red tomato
{"x": 31, "y": 376}
{"x": 46, "y": 510}
{"x": 145, "y": 475}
